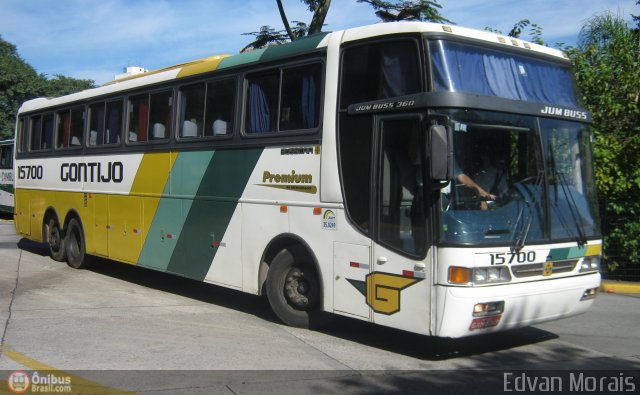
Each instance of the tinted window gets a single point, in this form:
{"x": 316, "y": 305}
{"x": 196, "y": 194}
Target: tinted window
{"x": 150, "y": 116}
{"x": 96, "y": 124}
{"x": 6, "y": 157}
{"x": 192, "y": 110}
{"x": 113, "y": 125}
{"x": 281, "y": 100}
{"x": 221, "y": 99}
{"x": 379, "y": 71}
{"x": 300, "y": 98}
{"x": 77, "y": 127}
{"x": 35, "y": 132}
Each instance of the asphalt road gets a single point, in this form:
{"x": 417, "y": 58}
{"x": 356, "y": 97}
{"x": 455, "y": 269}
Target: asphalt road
{"x": 117, "y": 327}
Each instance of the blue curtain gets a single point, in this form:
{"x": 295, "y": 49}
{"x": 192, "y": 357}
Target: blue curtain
{"x": 309, "y": 101}
{"x": 258, "y": 111}
{"x": 463, "y": 68}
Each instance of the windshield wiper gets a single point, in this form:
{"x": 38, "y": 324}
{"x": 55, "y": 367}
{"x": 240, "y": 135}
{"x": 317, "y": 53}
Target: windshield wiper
{"x": 573, "y": 208}
{"x": 521, "y": 236}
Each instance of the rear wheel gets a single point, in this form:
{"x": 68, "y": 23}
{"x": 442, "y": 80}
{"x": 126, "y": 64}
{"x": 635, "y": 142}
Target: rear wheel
{"x": 75, "y": 246}
{"x": 55, "y": 241}
{"x": 294, "y": 291}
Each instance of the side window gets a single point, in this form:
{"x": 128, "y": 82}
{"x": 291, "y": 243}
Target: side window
{"x": 113, "y": 122}
{"x": 35, "y": 132}
{"x": 150, "y": 116}
{"x": 77, "y": 127}
{"x": 6, "y": 157}
{"x": 221, "y": 100}
{"x": 63, "y": 135}
{"x": 21, "y": 135}
{"x": 138, "y": 118}
{"x": 262, "y": 102}
{"x": 160, "y": 115}
{"x": 105, "y": 123}
{"x": 41, "y": 132}
{"x": 48, "y": 125}
{"x": 300, "y": 97}
{"x": 283, "y": 99}
{"x": 96, "y": 124}
{"x": 192, "y": 110}
{"x": 379, "y": 71}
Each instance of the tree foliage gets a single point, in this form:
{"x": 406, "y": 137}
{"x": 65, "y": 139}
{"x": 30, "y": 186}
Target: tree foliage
{"x": 19, "y": 82}
{"x": 534, "y": 33}
{"x": 421, "y": 10}
{"x": 607, "y": 66}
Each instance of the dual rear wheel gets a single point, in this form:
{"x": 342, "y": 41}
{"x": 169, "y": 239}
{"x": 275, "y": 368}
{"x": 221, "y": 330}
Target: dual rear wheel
{"x": 68, "y": 245}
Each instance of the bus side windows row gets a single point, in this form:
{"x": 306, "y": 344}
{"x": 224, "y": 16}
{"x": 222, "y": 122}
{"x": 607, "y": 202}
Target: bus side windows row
{"x": 276, "y": 100}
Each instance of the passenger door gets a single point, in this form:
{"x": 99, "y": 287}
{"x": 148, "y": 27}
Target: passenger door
{"x": 399, "y": 285}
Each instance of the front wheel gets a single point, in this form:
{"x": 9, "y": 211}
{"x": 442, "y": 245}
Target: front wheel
{"x": 293, "y": 290}
{"x": 75, "y": 246}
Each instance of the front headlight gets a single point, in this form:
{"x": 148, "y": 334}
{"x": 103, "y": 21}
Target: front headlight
{"x": 590, "y": 264}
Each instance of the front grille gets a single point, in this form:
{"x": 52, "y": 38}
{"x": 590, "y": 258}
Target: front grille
{"x": 537, "y": 269}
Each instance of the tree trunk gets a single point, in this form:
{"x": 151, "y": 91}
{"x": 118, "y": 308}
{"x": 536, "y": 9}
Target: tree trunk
{"x": 319, "y": 16}
{"x": 285, "y": 21}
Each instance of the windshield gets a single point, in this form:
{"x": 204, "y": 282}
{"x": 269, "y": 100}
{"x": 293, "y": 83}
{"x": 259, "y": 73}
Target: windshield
{"x": 517, "y": 179}
{"x": 459, "y": 67}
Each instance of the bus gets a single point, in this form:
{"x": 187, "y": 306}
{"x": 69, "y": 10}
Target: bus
{"x": 6, "y": 177}
{"x": 425, "y": 177}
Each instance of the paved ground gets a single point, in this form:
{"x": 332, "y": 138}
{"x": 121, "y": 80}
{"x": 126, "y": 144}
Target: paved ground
{"x": 208, "y": 339}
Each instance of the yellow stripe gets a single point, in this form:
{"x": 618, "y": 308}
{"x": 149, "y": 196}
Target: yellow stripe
{"x": 594, "y": 249}
{"x": 78, "y": 384}
{"x": 201, "y": 66}
{"x": 150, "y": 182}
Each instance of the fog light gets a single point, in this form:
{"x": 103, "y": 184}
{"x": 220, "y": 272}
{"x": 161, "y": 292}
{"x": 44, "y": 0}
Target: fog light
{"x": 487, "y": 309}
{"x": 589, "y": 294}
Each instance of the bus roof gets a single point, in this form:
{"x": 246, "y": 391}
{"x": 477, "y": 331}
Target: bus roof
{"x": 298, "y": 47}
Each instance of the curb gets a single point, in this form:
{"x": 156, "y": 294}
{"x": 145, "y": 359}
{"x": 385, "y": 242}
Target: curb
{"x": 620, "y": 287}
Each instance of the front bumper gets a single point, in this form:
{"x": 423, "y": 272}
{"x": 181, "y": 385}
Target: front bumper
{"x": 524, "y": 303}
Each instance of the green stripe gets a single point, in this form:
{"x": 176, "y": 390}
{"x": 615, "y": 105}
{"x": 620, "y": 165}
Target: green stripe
{"x": 557, "y": 254}
{"x": 6, "y": 209}
{"x": 210, "y": 213}
{"x": 7, "y": 188}
{"x": 181, "y": 187}
{"x": 299, "y": 46}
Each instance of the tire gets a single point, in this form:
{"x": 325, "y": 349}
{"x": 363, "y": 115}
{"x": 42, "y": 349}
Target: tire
{"x": 75, "y": 246}
{"x": 56, "y": 241}
{"x": 294, "y": 290}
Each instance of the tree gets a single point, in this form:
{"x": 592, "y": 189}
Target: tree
{"x": 264, "y": 37}
{"x": 608, "y": 74}
{"x": 421, "y": 10}
{"x": 535, "y": 31}
{"x": 19, "y": 82}
{"x": 268, "y": 36}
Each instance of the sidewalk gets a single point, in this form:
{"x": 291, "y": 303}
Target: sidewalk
{"x": 620, "y": 287}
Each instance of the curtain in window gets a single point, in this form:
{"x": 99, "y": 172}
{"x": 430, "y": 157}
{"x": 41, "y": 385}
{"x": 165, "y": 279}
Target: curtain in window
{"x": 463, "y": 68}
{"x": 309, "y": 101}
{"x": 258, "y": 111}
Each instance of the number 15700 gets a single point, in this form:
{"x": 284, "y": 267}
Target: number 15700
{"x": 501, "y": 258}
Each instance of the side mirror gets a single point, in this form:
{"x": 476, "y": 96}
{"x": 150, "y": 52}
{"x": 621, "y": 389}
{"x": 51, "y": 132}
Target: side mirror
{"x": 440, "y": 149}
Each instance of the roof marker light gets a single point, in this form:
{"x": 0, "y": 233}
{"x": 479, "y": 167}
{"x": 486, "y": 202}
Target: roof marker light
{"x": 447, "y": 29}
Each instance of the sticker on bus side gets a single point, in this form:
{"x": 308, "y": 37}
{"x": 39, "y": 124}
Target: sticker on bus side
{"x": 329, "y": 220}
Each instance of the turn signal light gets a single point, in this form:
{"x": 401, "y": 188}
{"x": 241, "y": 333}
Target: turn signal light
{"x": 459, "y": 275}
